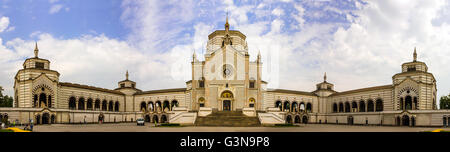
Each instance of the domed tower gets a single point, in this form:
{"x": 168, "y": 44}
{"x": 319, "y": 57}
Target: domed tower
{"x": 415, "y": 87}
{"x": 221, "y": 38}
{"x": 324, "y": 89}
{"x": 128, "y": 88}
{"x": 35, "y": 85}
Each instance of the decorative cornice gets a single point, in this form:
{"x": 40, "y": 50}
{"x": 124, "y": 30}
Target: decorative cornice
{"x": 292, "y": 92}
{"x": 363, "y": 90}
{"x": 161, "y": 91}
{"x": 66, "y": 84}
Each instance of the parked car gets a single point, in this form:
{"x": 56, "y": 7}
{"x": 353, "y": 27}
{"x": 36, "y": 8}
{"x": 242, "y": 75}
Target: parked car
{"x": 140, "y": 121}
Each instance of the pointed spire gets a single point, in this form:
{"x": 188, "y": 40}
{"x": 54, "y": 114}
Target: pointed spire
{"x": 259, "y": 56}
{"x": 227, "y": 25}
{"x": 126, "y": 75}
{"x": 36, "y": 50}
{"x": 194, "y": 56}
{"x": 325, "y": 77}
{"x": 415, "y": 55}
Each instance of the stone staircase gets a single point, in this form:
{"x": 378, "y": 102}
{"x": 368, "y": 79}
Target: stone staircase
{"x": 227, "y": 119}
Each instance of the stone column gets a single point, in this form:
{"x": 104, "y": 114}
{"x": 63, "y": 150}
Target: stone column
{"x": 375, "y": 106}
{"x": 357, "y": 106}
{"x": 366, "y": 106}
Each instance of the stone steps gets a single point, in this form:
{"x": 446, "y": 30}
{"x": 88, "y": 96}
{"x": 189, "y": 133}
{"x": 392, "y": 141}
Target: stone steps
{"x": 227, "y": 119}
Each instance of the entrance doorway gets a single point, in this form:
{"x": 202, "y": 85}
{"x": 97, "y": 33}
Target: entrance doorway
{"x": 405, "y": 120}
{"x": 226, "y": 105}
{"x": 45, "y": 118}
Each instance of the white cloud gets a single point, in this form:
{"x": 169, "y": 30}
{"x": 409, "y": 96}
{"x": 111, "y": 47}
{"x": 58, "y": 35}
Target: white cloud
{"x": 4, "y": 23}
{"x": 55, "y": 8}
{"x": 278, "y": 12}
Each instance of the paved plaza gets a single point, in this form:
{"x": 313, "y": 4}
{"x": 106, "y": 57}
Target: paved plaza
{"x": 132, "y": 127}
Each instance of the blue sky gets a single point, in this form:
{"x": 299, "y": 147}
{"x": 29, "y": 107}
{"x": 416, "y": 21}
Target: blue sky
{"x": 358, "y": 43}
{"x": 73, "y": 19}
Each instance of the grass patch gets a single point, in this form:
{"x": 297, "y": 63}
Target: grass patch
{"x": 6, "y": 130}
{"x": 169, "y": 125}
{"x": 285, "y": 125}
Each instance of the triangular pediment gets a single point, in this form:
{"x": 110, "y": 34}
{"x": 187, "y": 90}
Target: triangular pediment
{"x": 43, "y": 80}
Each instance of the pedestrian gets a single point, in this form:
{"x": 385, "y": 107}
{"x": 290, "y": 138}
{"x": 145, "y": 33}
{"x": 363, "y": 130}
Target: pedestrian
{"x": 31, "y": 124}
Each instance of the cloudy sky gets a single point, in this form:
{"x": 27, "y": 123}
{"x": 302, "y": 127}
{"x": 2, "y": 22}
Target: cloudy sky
{"x": 358, "y": 43}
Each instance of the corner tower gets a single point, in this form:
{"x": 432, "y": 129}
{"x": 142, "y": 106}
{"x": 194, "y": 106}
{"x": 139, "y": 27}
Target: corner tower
{"x": 35, "y": 85}
{"x": 415, "y": 87}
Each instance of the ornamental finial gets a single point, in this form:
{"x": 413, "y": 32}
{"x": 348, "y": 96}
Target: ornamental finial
{"x": 36, "y": 50}
{"x": 227, "y": 25}
{"x": 415, "y": 55}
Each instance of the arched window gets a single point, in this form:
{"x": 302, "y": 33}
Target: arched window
{"x": 379, "y": 105}
{"x": 354, "y": 106}
{"x": 408, "y": 102}
{"x": 278, "y": 105}
{"x": 288, "y": 119}
{"x": 362, "y": 106}
{"x": 401, "y": 103}
{"x": 158, "y": 105}
{"x": 81, "y": 103}
{"x": 287, "y": 106}
{"x": 297, "y": 119}
{"x": 111, "y": 106}
{"x": 415, "y": 103}
{"x": 251, "y": 102}
{"x": 201, "y": 102}
{"x": 104, "y": 105}
{"x": 227, "y": 94}
{"x": 341, "y": 107}
{"x": 42, "y": 100}
{"x": 335, "y": 107}
{"x": 97, "y": 104}
{"x": 143, "y": 106}
{"x": 72, "y": 103}
{"x": 89, "y": 104}
{"x": 166, "y": 105}
{"x": 347, "y": 107}
{"x": 151, "y": 106}
{"x": 370, "y": 106}
{"x": 163, "y": 119}
{"x": 174, "y": 103}
{"x": 305, "y": 119}
{"x": 49, "y": 101}
{"x": 116, "y": 106}
{"x": 35, "y": 101}
{"x": 155, "y": 118}
{"x": 302, "y": 107}
{"x": 308, "y": 107}
{"x": 294, "y": 107}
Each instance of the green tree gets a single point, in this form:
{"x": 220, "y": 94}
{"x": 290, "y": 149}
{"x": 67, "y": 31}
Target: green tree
{"x": 444, "y": 102}
{"x": 5, "y": 101}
